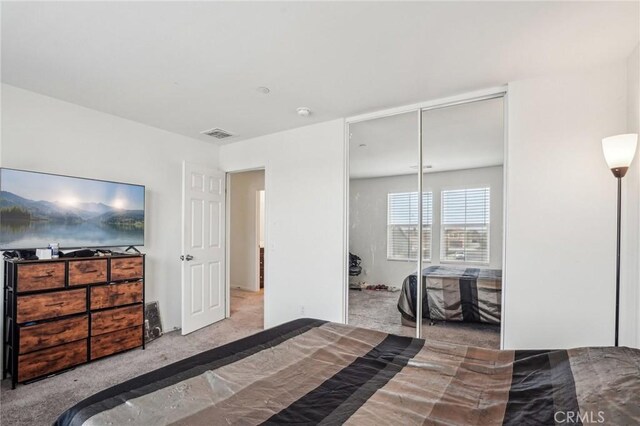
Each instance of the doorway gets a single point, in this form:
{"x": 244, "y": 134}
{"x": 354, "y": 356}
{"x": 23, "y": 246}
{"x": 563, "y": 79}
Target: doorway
{"x": 246, "y": 248}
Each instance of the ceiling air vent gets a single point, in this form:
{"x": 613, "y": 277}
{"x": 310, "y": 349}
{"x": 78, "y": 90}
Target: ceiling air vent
{"x": 218, "y": 133}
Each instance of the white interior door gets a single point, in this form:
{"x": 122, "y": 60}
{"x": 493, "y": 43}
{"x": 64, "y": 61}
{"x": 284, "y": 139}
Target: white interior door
{"x": 203, "y": 252}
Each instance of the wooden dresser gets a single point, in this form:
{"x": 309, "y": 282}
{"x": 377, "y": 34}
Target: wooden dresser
{"x": 60, "y": 313}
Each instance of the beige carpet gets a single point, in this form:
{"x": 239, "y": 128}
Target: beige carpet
{"x": 41, "y": 402}
{"x": 378, "y": 310}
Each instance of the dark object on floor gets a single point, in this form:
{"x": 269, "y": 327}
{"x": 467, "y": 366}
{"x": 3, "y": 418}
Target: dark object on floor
{"x": 354, "y": 270}
{"x": 490, "y": 386}
{"x": 354, "y": 265}
{"x": 152, "y": 322}
{"x": 377, "y": 287}
{"x": 472, "y": 295}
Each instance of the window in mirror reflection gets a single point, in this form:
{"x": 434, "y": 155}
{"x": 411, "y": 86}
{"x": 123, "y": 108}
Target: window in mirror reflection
{"x": 465, "y": 225}
{"x": 402, "y": 225}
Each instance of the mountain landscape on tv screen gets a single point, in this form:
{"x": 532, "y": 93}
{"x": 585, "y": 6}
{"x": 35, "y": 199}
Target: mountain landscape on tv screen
{"x": 21, "y": 211}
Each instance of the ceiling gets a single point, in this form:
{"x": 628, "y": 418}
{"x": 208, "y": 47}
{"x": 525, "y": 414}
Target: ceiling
{"x": 465, "y": 136}
{"x": 190, "y": 66}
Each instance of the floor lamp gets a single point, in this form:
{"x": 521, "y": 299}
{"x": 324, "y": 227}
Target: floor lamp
{"x": 618, "y": 152}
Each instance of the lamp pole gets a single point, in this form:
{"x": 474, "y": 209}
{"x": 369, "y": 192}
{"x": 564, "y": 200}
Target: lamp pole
{"x": 619, "y": 178}
{"x": 618, "y": 152}
{"x": 619, "y": 173}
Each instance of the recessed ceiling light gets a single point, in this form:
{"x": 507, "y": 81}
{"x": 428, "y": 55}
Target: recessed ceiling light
{"x": 303, "y": 111}
{"x": 263, "y": 90}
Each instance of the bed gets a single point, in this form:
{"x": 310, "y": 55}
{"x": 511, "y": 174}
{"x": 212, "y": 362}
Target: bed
{"x": 316, "y": 372}
{"x": 454, "y": 294}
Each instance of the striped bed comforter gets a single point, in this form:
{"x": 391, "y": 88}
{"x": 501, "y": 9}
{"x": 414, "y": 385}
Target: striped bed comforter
{"x": 315, "y": 372}
{"x": 452, "y": 293}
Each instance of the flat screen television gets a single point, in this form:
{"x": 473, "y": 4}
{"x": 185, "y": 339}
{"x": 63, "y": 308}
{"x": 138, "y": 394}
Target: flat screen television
{"x": 37, "y": 209}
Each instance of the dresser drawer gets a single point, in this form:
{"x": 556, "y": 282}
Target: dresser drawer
{"x": 108, "y": 296}
{"x": 40, "y": 276}
{"x": 51, "y": 305}
{"x": 46, "y": 361}
{"x": 48, "y": 334}
{"x": 87, "y": 271}
{"x": 126, "y": 268}
{"x": 107, "y": 344}
{"x": 116, "y": 319}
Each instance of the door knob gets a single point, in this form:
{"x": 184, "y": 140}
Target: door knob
{"x": 187, "y": 257}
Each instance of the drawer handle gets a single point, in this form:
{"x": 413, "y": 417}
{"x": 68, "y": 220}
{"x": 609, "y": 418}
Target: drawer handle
{"x": 93, "y": 271}
{"x": 126, "y": 268}
{"x": 119, "y": 318}
{"x": 54, "y": 304}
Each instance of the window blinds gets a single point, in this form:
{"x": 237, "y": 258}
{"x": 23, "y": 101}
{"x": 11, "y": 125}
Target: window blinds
{"x": 402, "y": 225}
{"x": 465, "y": 225}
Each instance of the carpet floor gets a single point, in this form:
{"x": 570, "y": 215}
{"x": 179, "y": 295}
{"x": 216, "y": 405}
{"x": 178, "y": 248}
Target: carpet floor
{"x": 40, "y": 403}
{"x": 378, "y": 310}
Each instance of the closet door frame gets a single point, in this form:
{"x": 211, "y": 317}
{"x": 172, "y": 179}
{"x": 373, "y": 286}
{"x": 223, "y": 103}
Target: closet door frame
{"x": 419, "y": 108}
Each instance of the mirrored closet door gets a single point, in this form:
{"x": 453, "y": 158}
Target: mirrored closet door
{"x": 463, "y": 157}
{"x": 383, "y": 218}
{"x": 450, "y": 210}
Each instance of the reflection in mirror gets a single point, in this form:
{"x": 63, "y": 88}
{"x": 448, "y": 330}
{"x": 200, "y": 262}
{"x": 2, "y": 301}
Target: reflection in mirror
{"x": 462, "y": 190}
{"x": 383, "y": 218}
{"x": 463, "y": 150}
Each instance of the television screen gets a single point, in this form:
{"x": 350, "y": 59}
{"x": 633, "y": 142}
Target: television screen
{"x": 37, "y": 209}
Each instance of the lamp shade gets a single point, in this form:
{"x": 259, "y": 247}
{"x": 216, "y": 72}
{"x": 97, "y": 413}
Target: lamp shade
{"x": 619, "y": 150}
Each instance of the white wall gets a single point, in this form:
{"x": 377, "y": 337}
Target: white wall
{"x": 630, "y": 259}
{"x": 243, "y": 246}
{"x": 561, "y": 198}
{"x": 368, "y": 219}
{"x": 44, "y": 134}
{"x": 304, "y": 183}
